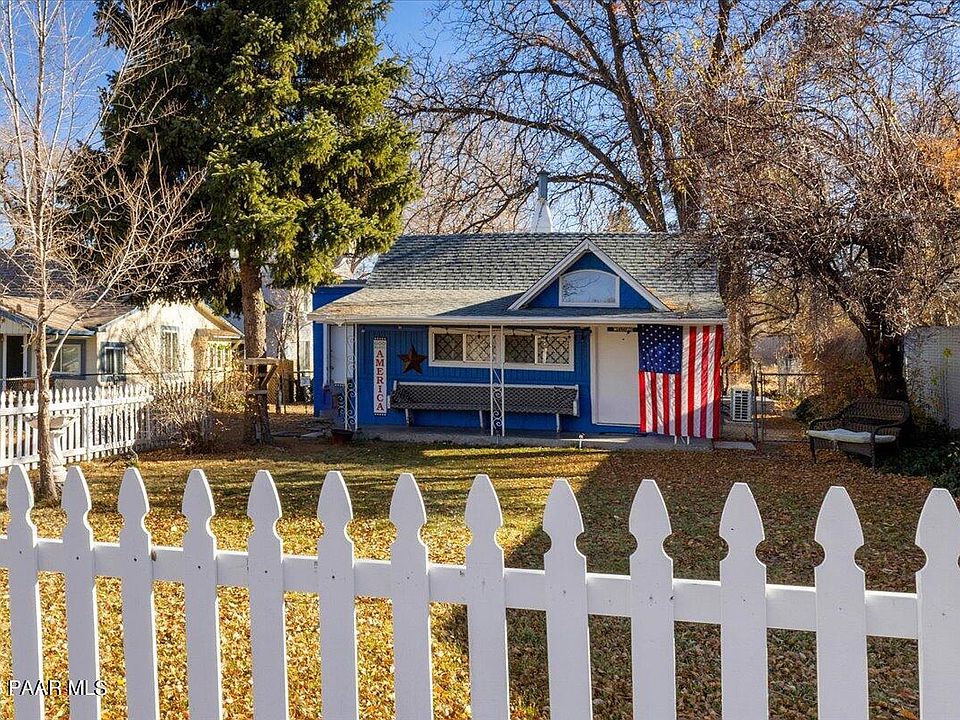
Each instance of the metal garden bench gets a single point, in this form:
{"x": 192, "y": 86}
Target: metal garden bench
{"x": 548, "y": 399}
{"x": 861, "y": 427}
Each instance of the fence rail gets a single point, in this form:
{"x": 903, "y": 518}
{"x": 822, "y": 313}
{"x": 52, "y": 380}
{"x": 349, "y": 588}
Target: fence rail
{"x": 108, "y": 420}
{"x": 838, "y": 608}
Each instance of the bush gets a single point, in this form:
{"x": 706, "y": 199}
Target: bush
{"x": 931, "y": 450}
{"x": 183, "y": 414}
{"x": 844, "y": 369}
{"x": 808, "y": 409}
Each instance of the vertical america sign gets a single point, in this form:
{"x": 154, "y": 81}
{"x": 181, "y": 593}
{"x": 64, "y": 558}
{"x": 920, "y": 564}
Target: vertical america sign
{"x": 380, "y": 376}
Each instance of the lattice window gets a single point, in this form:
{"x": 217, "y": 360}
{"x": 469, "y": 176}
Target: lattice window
{"x": 448, "y": 346}
{"x": 555, "y": 349}
{"x": 519, "y": 349}
{"x": 476, "y": 348}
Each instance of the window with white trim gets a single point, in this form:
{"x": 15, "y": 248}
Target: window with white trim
{"x": 521, "y": 349}
{"x": 170, "y": 348}
{"x": 114, "y": 361}
{"x": 589, "y": 288}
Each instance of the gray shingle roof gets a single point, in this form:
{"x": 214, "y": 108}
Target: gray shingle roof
{"x": 452, "y": 276}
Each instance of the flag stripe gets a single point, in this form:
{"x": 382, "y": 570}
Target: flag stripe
{"x": 684, "y": 403}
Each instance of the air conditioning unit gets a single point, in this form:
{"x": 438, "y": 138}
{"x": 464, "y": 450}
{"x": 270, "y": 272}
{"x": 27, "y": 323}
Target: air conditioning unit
{"x": 741, "y": 404}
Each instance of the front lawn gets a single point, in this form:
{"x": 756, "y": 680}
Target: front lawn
{"x": 788, "y": 489}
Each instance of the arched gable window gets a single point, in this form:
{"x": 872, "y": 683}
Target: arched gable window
{"x": 589, "y": 288}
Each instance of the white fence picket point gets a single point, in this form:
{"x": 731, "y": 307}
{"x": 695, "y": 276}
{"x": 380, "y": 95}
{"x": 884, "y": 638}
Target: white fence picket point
{"x": 139, "y": 625}
{"x": 743, "y": 609}
{"x": 338, "y": 617}
{"x": 938, "y": 606}
{"x": 568, "y": 634}
{"x": 410, "y": 593}
{"x": 651, "y": 608}
{"x": 80, "y": 575}
{"x": 267, "y": 611}
{"x": 24, "y": 591}
{"x": 200, "y": 599}
{"x": 486, "y": 605}
{"x": 841, "y": 612}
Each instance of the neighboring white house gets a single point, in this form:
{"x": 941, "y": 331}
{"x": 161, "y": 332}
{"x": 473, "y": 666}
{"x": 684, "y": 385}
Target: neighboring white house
{"x": 933, "y": 372}
{"x": 117, "y": 342}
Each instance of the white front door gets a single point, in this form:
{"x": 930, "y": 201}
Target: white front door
{"x": 616, "y": 383}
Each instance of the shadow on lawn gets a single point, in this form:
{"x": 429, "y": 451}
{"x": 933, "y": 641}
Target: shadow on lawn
{"x": 787, "y": 486}
{"x": 788, "y": 489}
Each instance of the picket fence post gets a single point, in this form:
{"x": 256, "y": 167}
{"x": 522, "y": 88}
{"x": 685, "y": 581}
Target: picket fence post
{"x": 136, "y": 589}
{"x": 841, "y": 612}
{"x": 86, "y": 422}
{"x": 651, "y": 608}
{"x": 410, "y": 595}
{"x": 338, "y": 618}
{"x": 80, "y": 576}
{"x": 743, "y": 610}
{"x": 24, "y": 590}
{"x": 267, "y": 613}
{"x": 486, "y": 605}
{"x": 3, "y": 428}
{"x": 568, "y": 634}
{"x": 938, "y": 606}
{"x": 200, "y": 600}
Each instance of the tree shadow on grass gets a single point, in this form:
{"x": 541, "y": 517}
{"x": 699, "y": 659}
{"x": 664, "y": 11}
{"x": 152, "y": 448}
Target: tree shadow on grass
{"x": 788, "y": 490}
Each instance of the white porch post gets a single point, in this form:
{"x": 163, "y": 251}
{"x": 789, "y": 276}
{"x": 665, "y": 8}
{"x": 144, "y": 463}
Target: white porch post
{"x": 497, "y": 395}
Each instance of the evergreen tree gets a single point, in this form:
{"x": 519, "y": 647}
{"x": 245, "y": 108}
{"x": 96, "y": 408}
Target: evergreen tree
{"x": 283, "y": 104}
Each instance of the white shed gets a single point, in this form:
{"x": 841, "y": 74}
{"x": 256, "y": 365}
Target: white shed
{"x": 933, "y": 372}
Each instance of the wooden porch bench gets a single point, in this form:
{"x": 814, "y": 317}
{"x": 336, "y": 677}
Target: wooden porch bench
{"x": 547, "y": 399}
{"x": 861, "y": 428}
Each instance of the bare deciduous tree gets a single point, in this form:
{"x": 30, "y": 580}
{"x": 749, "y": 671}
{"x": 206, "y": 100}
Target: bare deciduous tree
{"x": 82, "y": 234}
{"x": 608, "y": 96}
{"x": 834, "y": 176}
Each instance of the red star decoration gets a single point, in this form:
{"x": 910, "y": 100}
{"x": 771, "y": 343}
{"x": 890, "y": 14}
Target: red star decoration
{"x": 412, "y": 360}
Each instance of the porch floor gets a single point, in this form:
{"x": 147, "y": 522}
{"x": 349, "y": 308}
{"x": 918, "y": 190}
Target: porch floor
{"x": 528, "y": 438}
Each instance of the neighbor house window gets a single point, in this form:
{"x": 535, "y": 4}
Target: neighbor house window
{"x": 218, "y": 356}
{"x": 113, "y": 361}
{"x": 521, "y": 349}
{"x": 69, "y": 361}
{"x": 586, "y": 288}
{"x": 170, "y": 349}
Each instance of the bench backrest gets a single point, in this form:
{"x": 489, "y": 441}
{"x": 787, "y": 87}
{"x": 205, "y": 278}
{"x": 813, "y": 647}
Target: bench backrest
{"x": 876, "y": 411}
{"x": 549, "y": 399}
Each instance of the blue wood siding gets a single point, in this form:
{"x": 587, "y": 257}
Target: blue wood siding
{"x": 549, "y": 297}
{"x": 323, "y": 295}
{"x": 400, "y": 338}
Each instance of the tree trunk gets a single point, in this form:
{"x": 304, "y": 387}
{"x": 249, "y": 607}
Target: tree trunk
{"x": 734, "y": 286}
{"x": 46, "y": 487}
{"x": 256, "y": 419}
{"x": 885, "y": 350}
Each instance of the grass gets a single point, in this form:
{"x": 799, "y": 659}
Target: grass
{"x": 788, "y": 488}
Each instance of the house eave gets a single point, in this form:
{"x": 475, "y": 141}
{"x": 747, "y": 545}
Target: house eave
{"x": 540, "y": 320}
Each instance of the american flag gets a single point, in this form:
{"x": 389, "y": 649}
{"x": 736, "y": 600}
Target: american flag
{"x": 680, "y": 380}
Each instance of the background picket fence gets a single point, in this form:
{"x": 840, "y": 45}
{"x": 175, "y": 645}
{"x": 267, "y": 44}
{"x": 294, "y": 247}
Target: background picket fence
{"x": 110, "y": 419}
{"x": 838, "y": 608}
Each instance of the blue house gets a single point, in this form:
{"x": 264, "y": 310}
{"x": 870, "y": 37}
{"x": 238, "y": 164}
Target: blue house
{"x": 544, "y": 331}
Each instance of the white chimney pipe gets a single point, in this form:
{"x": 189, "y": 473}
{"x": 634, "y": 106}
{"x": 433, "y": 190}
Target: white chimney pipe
{"x": 543, "y": 218}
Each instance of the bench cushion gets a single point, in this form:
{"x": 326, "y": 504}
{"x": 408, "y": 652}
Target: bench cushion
{"x": 849, "y": 436}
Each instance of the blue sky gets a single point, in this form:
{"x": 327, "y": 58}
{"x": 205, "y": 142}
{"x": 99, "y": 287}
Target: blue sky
{"x": 412, "y": 23}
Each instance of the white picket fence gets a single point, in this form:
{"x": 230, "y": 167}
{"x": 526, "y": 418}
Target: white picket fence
{"x": 110, "y": 419}
{"x": 838, "y": 609}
